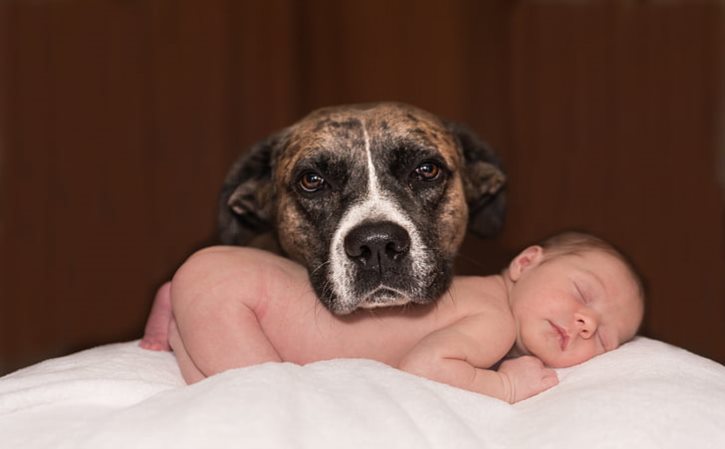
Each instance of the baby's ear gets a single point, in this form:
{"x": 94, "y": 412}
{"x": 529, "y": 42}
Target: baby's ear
{"x": 527, "y": 259}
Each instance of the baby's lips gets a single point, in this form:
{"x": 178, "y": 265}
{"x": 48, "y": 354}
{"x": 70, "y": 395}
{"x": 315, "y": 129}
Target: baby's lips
{"x": 563, "y": 336}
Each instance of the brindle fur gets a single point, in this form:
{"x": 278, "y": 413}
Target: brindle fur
{"x": 261, "y": 193}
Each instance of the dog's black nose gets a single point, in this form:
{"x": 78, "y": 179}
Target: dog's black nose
{"x": 377, "y": 246}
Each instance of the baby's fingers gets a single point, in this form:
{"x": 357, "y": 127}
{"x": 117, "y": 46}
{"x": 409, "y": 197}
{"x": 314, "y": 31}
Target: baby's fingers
{"x": 549, "y": 379}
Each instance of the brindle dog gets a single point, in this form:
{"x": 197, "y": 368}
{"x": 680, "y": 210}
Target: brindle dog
{"x": 374, "y": 200}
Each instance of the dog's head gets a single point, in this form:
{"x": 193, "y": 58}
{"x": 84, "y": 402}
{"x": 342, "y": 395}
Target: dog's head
{"x": 373, "y": 199}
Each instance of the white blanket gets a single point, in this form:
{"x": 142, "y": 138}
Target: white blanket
{"x": 646, "y": 394}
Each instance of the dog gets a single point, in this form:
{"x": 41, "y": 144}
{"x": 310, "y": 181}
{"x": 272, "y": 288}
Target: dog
{"x": 373, "y": 199}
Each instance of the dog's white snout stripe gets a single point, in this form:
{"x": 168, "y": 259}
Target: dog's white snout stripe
{"x": 376, "y": 205}
{"x": 373, "y": 182}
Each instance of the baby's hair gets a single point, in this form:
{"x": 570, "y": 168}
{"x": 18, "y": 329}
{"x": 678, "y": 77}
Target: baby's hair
{"x": 575, "y": 242}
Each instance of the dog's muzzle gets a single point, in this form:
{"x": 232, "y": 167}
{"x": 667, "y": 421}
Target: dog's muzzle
{"x": 381, "y": 253}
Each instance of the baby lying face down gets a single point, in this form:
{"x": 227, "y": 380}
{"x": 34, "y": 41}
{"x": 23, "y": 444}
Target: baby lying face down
{"x": 557, "y": 304}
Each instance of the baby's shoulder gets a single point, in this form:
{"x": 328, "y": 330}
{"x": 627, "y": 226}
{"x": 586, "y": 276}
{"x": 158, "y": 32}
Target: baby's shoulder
{"x": 481, "y": 302}
{"x": 488, "y": 330}
{"x": 481, "y": 294}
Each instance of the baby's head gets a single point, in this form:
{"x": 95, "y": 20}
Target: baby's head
{"x": 574, "y": 296}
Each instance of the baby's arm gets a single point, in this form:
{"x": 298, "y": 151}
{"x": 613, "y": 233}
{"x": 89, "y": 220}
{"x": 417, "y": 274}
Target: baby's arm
{"x": 462, "y": 354}
{"x": 215, "y": 295}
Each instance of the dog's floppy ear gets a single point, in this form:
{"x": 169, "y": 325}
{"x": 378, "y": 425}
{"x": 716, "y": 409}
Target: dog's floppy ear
{"x": 483, "y": 181}
{"x": 247, "y": 197}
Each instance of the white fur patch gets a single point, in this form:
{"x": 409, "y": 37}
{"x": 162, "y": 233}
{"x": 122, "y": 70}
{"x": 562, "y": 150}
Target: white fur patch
{"x": 377, "y": 205}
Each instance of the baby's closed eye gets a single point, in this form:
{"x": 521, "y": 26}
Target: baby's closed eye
{"x": 581, "y": 293}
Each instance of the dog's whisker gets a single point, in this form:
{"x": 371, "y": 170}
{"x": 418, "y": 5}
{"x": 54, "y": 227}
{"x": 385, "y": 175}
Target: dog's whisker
{"x": 319, "y": 267}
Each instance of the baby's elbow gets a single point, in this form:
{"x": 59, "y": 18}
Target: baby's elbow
{"x": 413, "y": 366}
{"x": 422, "y": 364}
{"x": 208, "y": 269}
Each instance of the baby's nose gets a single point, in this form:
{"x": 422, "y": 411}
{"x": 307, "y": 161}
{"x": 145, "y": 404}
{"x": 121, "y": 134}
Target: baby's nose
{"x": 586, "y": 325}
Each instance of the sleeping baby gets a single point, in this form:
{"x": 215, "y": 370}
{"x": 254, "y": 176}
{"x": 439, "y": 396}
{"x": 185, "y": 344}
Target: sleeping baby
{"x": 557, "y": 304}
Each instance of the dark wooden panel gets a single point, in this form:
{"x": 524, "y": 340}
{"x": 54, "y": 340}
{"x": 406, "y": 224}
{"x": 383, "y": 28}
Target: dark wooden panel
{"x": 380, "y": 50}
{"x": 97, "y": 174}
{"x": 116, "y": 154}
{"x": 123, "y": 118}
{"x": 25, "y": 189}
{"x": 187, "y": 70}
{"x": 264, "y": 70}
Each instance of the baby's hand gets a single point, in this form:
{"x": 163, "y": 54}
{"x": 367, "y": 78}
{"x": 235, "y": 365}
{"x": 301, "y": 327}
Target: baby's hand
{"x": 526, "y": 376}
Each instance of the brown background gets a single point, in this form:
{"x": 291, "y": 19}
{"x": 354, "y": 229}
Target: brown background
{"x": 119, "y": 119}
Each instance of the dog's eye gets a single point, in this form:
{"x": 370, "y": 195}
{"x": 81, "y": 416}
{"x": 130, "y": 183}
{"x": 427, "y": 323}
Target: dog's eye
{"x": 428, "y": 171}
{"x": 311, "y": 182}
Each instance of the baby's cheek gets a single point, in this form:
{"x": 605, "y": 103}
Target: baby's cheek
{"x": 584, "y": 353}
{"x": 538, "y": 345}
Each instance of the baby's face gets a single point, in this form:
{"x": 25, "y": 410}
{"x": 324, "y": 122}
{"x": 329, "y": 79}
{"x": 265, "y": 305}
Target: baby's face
{"x": 570, "y": 308}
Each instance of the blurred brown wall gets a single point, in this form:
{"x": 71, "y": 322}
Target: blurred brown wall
{"x": 119, "y": 119}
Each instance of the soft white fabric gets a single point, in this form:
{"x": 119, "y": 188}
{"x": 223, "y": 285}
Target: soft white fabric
{"x": 646, "y": 394}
